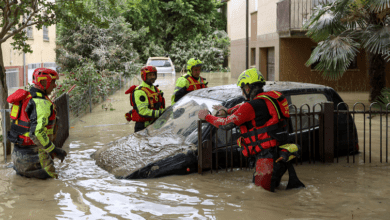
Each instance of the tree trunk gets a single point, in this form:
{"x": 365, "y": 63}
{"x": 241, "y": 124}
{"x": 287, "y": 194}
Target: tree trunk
{"x": 3, "y": 98}
{"x": 377, "y": 73}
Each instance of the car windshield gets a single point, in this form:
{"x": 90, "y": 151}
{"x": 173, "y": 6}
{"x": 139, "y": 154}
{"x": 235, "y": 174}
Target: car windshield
{"x": 182, "y": 117}
{"x": 160, "y": 63}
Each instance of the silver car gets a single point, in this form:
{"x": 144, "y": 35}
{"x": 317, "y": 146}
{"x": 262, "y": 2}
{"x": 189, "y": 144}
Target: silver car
{"x": 169, "y": 146}
{"x": 164, "y": 65}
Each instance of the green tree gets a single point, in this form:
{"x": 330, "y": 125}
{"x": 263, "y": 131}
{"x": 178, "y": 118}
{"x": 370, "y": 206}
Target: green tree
{"x": 345, "y": 27}
{"x": 169, "y": 21}
{"x": 91, "y": 57}
{"x": 111, "y": 49}
{"x": 210, "y": 49}
{"x": 16, "y": 15}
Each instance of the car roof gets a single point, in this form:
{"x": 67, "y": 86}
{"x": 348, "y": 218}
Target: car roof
{"x": 225, "y": 92}
{"x": 159, "y": 58}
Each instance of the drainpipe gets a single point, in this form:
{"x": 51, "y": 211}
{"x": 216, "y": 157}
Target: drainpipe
{"x": 247, "y": 33}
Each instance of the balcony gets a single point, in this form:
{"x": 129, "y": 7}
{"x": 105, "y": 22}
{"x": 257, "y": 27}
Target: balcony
{"x": 292, "y": 15}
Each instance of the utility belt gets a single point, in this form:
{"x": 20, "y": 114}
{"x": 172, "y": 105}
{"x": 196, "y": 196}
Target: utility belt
{"x": 283, "y": 153}
{"x": 30, "y": 149}
{"x": 276, "y": 134}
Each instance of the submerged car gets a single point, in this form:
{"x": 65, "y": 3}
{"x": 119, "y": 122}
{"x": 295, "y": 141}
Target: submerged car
{"x": 169, "y": 145}
{"x": 164, "y": 65}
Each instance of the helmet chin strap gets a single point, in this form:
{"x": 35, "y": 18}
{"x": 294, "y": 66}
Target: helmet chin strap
{"x": 247, "y": 95}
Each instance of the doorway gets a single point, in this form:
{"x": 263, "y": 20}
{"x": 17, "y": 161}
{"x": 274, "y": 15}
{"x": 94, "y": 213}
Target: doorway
{"x": 271, "y": 64}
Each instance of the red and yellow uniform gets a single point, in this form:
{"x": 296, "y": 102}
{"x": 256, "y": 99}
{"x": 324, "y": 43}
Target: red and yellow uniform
{"x": 34, "y": 115}
{"x": 262, "y": 122}
{"x": 148, "y": 104}
{"x": 188, "y": 82}
{"x": 32, "y": 126}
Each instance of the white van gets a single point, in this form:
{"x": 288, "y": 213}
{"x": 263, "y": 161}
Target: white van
{"x": 163, "y": 65}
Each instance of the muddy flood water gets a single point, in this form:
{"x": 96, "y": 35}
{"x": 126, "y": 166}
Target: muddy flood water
{"x": 85, "y": 191}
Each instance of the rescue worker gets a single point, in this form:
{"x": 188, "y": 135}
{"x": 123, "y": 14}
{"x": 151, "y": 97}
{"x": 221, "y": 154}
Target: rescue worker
{"x": 146, "y": 99}
{"x": 33, "y": 117}
{"x": 190, "y": 81}
{"x": 262, "y": 121}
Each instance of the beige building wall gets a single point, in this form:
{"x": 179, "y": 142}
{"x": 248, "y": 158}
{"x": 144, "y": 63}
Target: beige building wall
{"x": 43, "y": 50}
{"x": 43, "y": 53}
{"x": 266, "y": 35}
{"x": 291, "y": 51}
{"x": 266, "y": 17}
{"x": 236, "y": 18}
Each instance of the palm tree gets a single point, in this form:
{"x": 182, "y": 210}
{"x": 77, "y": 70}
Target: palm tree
{"x": 345, "y": 27}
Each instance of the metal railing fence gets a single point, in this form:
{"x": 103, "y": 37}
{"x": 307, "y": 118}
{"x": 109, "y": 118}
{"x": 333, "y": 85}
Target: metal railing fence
{"x": 293, "y": 14}
{"x": 325, "y": 133}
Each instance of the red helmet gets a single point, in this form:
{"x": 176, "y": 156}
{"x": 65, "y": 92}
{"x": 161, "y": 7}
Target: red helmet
{"x": 147, "y": 69}
{"x": 44, "y": 74}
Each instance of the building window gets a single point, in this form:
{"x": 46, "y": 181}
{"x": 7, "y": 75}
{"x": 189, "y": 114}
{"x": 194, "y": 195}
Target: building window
{"x": 30, "y": 71}
{"x": 50, "y": 65}
{"x": 253, "y": 56}
{"x": 12, "y": 76}
{"x": 352, "y": 65}
{"x": 34, "y": 65}
{"x": 29, "y": 31}
{"x": 45, "y": 33}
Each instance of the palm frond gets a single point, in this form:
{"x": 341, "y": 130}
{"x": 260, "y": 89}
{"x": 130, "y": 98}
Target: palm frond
{"x": 376, "y": 39}
{"x": 325, "y": 21}
{"x": 384, "y": 98}
{"x": 341, "y": 5}
{"x": 378, "y": 6}
{"x": 357, "y": 15}
{"x": 334, "y": 54}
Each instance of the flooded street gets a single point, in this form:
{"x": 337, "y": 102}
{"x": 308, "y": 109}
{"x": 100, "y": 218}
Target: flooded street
{"x": 85, "y": 191}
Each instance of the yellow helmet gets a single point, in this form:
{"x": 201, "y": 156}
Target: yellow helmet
{"x": 193, "y": 62}
{"x": 250, "y": 76}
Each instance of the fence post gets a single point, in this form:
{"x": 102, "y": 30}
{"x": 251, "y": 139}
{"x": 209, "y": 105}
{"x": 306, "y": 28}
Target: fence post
{"x": 4, "y": 136}
{"x": 90, "y": 99}
{"x": 67, "y": 106}
{"x": 328, "y": 125}
{"x": 3, "y": 115}
{"x": 200, "y": 165}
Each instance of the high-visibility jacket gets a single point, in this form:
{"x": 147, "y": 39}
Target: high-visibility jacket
{"x": 186, "y": 84}
{"x": 255, "y": 138}
{"x": 33, "y": 115}
{"x": 147, "y": 102}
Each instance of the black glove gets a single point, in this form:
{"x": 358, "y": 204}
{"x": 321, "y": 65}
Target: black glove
{"x": 283, "y": 156}
{"x": 59, "y": 153}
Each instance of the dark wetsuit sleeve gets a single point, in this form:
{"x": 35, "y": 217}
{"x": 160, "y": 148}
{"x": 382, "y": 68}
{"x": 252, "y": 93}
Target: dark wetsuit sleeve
{"x": 243, "y": 114}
